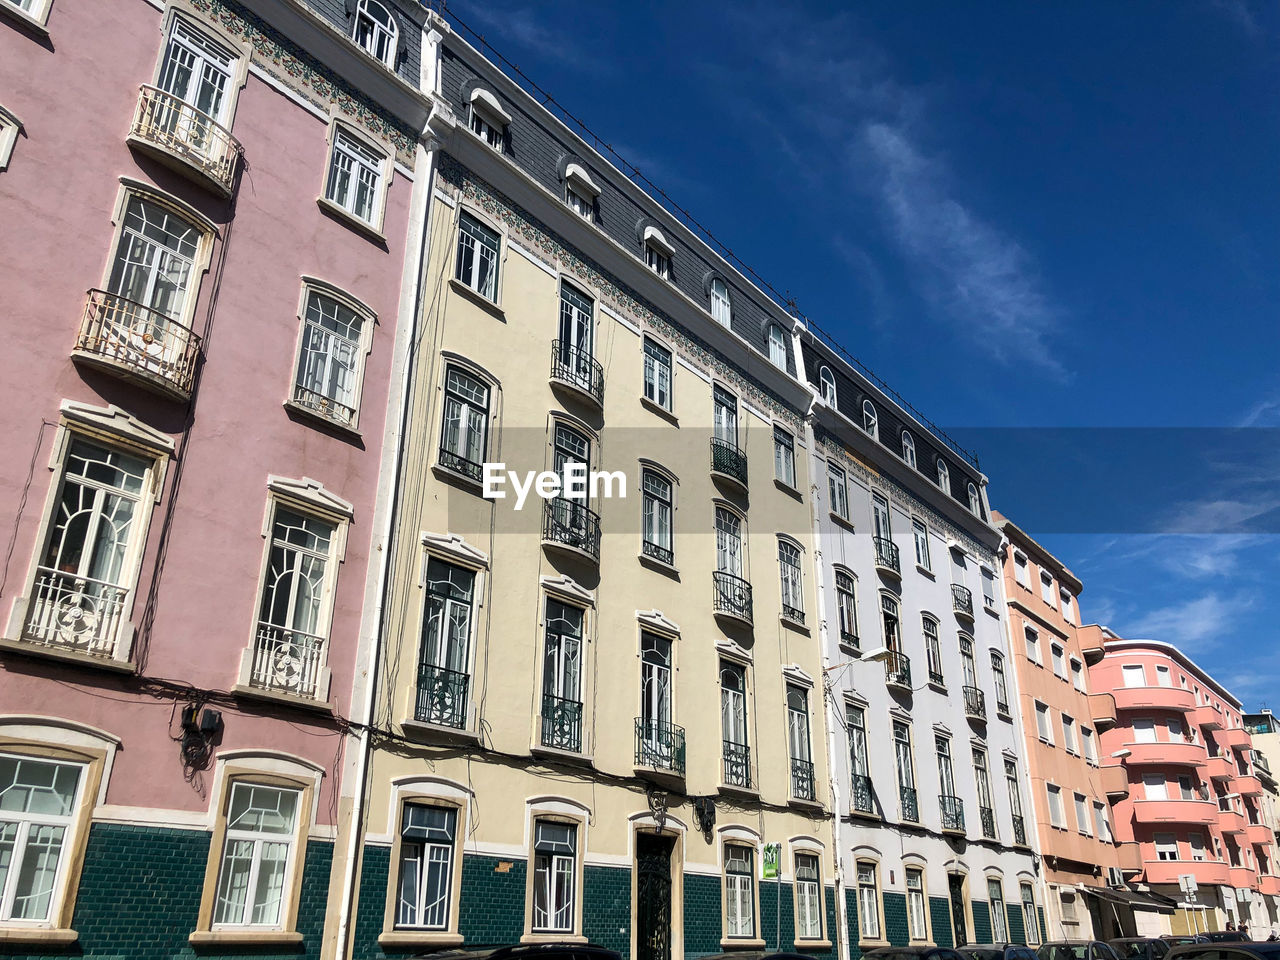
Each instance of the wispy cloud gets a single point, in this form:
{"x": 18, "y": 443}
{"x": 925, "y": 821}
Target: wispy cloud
{"x": 1264, "y": 413}
{"x": 527, "y": 27}
{"x": 1193, "y": 625}
{"x": 1241, "y": 13}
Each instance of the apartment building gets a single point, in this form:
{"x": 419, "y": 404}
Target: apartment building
{"x": 1264, "y": 732}
{"x": 195, "y": 449}
{"x": 1192, "y": 821}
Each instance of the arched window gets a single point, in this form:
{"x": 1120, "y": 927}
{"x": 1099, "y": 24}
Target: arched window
{"x": 828, "y": 381}
{"x": 720, "y": 309}
{"x": 975, "y": 504}
{"x": 870, "y": 422}
{"x": 908, "y": 449}
{"x": 375, "y": 31}
{"x": 777, "y": 346}
{"x": 944, "y": 475}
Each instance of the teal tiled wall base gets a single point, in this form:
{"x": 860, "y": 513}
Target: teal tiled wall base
{"x": 701, "y": 915}
{"x": 1044, "y": 934}
{"x": 895, "y": 919}
{"x": 139, "y": 897}
{"x": 851, "y": 923}
{"x": 981, "y": 921}
{"x": 940, "y": 921}
{"x": 606, "y": 907}
{"x": 1017, "y": 932}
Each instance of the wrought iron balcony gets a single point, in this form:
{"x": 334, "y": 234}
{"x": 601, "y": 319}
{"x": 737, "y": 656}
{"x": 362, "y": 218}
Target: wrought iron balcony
{"x": 935, "y": 676}
{"x": 659, "y": 745}
{"x": 68, "y": 612}
{"x": 733, "y": 596}
{"x": 801, "y": 779}
{"x": 794, "y": 614}
{"x": 975, "y": 703}
{"x": 138, "y": 343}
{"x": 962, "y": 600}
{"x": 1019, "y": 831}
{"x": 737, "y": 764}
{"x": 910, "y": 804}
{"x": 887, "y": 556}
{"x": 988, "y": 817}
{"x": 569, "y": 523}
{"x": 661, "y": 554}
{"x": 578, "y": 369}
{"x": 561, "y": 723}
{"x": 864, "y": 794}
{"x": 897, "y": 670}
{"x": 1002, "y": 708}
{"x": 952, "y": 813}
{"x": 442, "y": 696}
{"x": 323, "y": 406}
{"x": 460, "y": 464}
{"x": 728, "y": 460}
{"x": 172, "y": 129}
{"x": 287, "y": 661}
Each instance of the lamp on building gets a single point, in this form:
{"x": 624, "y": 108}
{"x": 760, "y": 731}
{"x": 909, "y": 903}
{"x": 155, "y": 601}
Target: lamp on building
{"x": 874, "y": 655}
{"x": 1122, "y": 754}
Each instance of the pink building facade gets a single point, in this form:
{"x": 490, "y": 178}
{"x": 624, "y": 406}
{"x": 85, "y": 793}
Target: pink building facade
{"x": 195, "y": 450}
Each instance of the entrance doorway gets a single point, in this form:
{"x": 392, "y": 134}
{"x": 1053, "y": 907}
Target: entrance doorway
{"x": 653, "y": 896}
{"x": 959, "y": 926}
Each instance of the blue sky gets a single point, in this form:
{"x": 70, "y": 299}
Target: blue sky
{"x": 1020, "y": 216}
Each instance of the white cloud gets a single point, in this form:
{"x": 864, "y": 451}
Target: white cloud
{"x": 1264, "y": 413}
{"x": 1193, "y": 625}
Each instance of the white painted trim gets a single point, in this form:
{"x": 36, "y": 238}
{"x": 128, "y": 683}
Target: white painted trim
{"x": 577, "y": 175}
{"x": 312, "y": 492}
{"x": 658, "y": 240}
{"x": 486, "y": 102}
{"x": 758, "y": 414}
{"x": 152, "y": 817}
{"x": 455, "y": 547}
{"x": 657, "y": 620}
{"x": 569, "y": 588}
{"x": 444, "y": 198}
{"x": 116, "y": 421}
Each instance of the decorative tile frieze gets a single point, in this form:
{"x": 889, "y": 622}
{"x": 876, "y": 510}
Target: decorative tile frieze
{"x": 539, "y": 239}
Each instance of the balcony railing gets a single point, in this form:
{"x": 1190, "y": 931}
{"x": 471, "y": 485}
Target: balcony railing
{"x": 287, "y": 661}
{"x": 794, "y": 614}
{"x": 962, "y": 600}
{"x": 571, "y": 524}
{"x": 952, "y": 812}
{"x": 975, "y": 703}
{"x": 659, "y": 745}
{"x": 801, "y": 779}
{"x": 561, "y": 723}
{"x": 180, "y": 130}
{"x": 138, "y": 342}
{"x": 324, "y": 406}
{"x": 887, "y": 555}
{"x": 460, "y": 464}
{"x": 733, "y": 595}
{"x": 67, "y": 612}
{"x": 910, "y": 804}
{"x": 577, "y": 368}
{"x": 442, "y": 696}
{"x": 1002, "y": 707}
{"x": 1019, "y": 831}
{"x": 988, "y": 817}
{"x": 737, "y": 764}
{"x": 897, "y": 670}
{"x": 661, "y": 554}
{"x": 935, "y": 676}
{"x": 728, "y": 460}
{"x": 864, "y": 794}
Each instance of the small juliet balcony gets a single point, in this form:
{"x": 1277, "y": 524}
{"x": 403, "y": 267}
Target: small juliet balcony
{"x": 1155, "y": 698}
{"x": 578, "y": 371}
{"x": 76, "y": 614}
{"x": 802, "y": 780}
{"x": 441, "y": 696}
{"x": 1161, "y": 812}
{"x": 138, "y": 344}
{"x": 952, "y": 813}
{"x": 736, "y": 765}
{"x": 909, "y": 804}
{"x": 1102, "y": 708}
{"x": 962, "y": 601}
{"x": 1177, "y": 754}
{"x": 897, "y": 671}
{"x": 975, "y": 703}
{"x": 988, "y": 817}
{"x": 729, "y": 463}
{"x": 660, "y": 746}
{"x": 184, "y": 139}
{"x": 287, "y": 661}
{"x": 570, "y": 526}
{"x": 1019, "y": 831}
{"x": 561, "y": 724}
{"x": 887, "y": 557}
{"x": 864, "y": 794}
{"x": 1115, "y": 781}
{"x": 732, "y": 598}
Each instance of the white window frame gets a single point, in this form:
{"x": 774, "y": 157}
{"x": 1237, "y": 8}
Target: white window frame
{"x": 827, "y": 386}
{"x": 847, "y": 606}
{"x": 1082, "y": 814}
{"x": 917, "y": 905}
{"x": 554, "y": 877}
{"x": 867, "y": 879}
{"x": 477, "y": 237}
{"x": 381, "y": 34}
{"x": 870, "y": 420}
{"x": 1048, "y": 593}
{"x": 36, "y": 15}
{"x": 1044, "y": 723}
{"x": 1058, "y": 657}
{"x": 1166, "y": 846}
{"x": 721, "y": 304}
{"x": 361, "y": 155}
{"x": 1057, "y": 808}
{"x": 908, "y": 449}
{"x": 258, "y": 839}
{"x": 944, "y": 476}
{"x": 920, "y": 533}
{"x": 1069, "y": 735}
{"x": 975, "y": 501}
{"x": 791, "y": 574}
{"x": 1078, "y": 676}
{"x": 487, "y": 119}
{"x": 1131, "y": 671}
{"x": 468, "y": 423}
{"x": 739, "y": 892}
{"x": 658, "y": 358}
{"x": 838, "y": 490}
{"x": 809, "y": 908}
{"x": 999, "y": 917}
{"x": 1030, "y": 914}
{"x": 1031, "y": 636}
{"x": 1021, "y": 569}
{"x": 658, "y": 252}
{"x": 657, "y": 515}
{"x": 784, "y": 457}
{"x": 1089, "y": 745}
{"x": 322, "y": 404}
{"x": 25, "y": 823}
{"x": 10, "y": 126}
{"x": 777, "y": 347}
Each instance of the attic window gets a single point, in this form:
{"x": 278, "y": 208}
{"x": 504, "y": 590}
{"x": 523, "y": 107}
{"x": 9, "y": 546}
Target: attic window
{"x": 374, "y": 31}
{"x": 658, "y": 252}
{"x": 580, "y": 191}
{"x": 488, "y": 119}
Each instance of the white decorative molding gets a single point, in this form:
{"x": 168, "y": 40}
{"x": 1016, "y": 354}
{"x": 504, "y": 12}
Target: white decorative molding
{"x": 312, "y": 492}
{"x": 733, "y": 650}
{"x": 656, "y": 620}
{"x": 576, "y": 174}
{"x": 114, "y": 420}
{"x": 794, "y": 672}
{"x": 486, "y": 102}
{"x": 567, "y": 587}
{"x": 455, "y": 547}
{"x": 658, "y": 240}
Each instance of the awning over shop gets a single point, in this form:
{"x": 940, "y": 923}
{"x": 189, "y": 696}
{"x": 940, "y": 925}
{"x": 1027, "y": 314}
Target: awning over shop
{"x": 1128, "y": 897}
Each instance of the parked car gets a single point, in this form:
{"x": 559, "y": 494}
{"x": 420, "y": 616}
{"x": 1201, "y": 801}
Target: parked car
{"x": 1141, "y": 948}
{"x": 1076, "y": 950}
{"x": 1174, "y": 939}
{"x": 914, "y": 953}
{"x": 531, "y": 951}
{"x": 1226, "y": 950}
{"x": 1224, "y": 936}
{"x": 996, "y": 951}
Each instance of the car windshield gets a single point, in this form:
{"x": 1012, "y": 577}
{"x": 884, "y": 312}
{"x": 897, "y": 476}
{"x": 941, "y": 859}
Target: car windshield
{"x": 1064, "y": 951}
{"x": 980, "y": 954}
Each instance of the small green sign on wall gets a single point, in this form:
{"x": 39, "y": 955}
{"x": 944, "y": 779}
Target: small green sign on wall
{"x": 769, "y": 862}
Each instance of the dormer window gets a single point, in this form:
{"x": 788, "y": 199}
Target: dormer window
{"x": 580, "y": 191}
{"x": 777, "y": 346}
{"x": 870, "y": 422}
{"x": 828, "y": 382}
{"x": 975, "y": 502}
{"x": 944, "y": 476}
{"x": 721, "y": 312}
{"x": 488, "y": 119}
{"x": 374, "y": 31}
{"x": 658, "y": 252}
{"x": 909, "y": 449}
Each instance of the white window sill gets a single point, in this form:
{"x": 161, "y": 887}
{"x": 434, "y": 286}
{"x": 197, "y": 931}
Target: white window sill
{"x": 803, "y": 945}
{"x": 41, "y": 651}
{"x": 416, "y": 938}
{"x": 788, "y": 488}
{"x": 741, "y": 943}
{"x": 655, "y": 564}
{"x": 350, "y": 219}
{"x": 271, "y": 937}
{"x": 44, "y": 935}
{"x": 275, "y": 696}
{"x": 843, "y": 521}
{"x": 302, "y": 411}
{"x": 926, "y": 571}
{"x": 664, "y": 412}
{"x": 479, "y": 299}
{"x": 553, "y": 938}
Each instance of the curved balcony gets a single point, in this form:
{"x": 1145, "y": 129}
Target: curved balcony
{"x": 184, "y": 139}
{"x": 1177, "y": 754}
{"x": 659, "y": 745}
{"x": 570, "y": 526}
{"x": 1115, "y": 781}
{"x": 975, "y": 703}
{"x": 887, "y": 556}
{"x": 137, "y": 343}
{"x": 1206, "y": 872}
{"x": 897, "y": 671}
{"x": 1091, "y": 644}
{"x": 728, "y": 462}
{"x": 1269, "y": 885}
{"x": 1208, "y": 715}
{"x": 1155, "y": 698}
{"x": 1158, "y": 812}
{"x": 1249, "y": 786}
{"x": 1242, "y": 877}
{"x": 1219, "y": 768}
{"x": 962, "y": 601}
{"x": 952, "y": 813}
{"x": 577, "y": 370}
{"x": 732, "y": 598}
{"x": 1231, "y": 821}
{"x": 80, "y": 614}
{"x": 1259, "y": 833}
{"x": 1102, "y": 708}
{"x": 1237, "y": 737}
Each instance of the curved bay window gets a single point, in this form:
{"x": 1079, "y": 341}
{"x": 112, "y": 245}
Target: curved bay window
{"x": 464, "y": 433}
{"x": 446, "y": 641}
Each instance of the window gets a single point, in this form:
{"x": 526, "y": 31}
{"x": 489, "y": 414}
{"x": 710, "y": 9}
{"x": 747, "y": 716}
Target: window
{"x": 777, "y": 346}
{"x": 970, "y": 668}
{"x": 827, "y": 382}
{"x": 798, "y": 743}
{"x": 197, "y": 72}
{"x": 555, "y": 867}
{"x": 1144, "y": 730}
{"x": 917, "y": 922}
{"x": 1030, "y": 918}
{"x": 733, "y": 724}
{"x": 37, "y": 10}
{"x": 1090, "y": 749}
{"x": 330, "y": 358}
{"x": 946, "y": 774}
{"x": 657, "y": 252}
{"x": 374, "y": 31}
{"x": 1102, "y": 822}
{"x": 445, "y": 658}
{"x": 355, "y": 177}
{"x": 847, "y": 607}
{"x": 721, "y": 310}
{"x": 297, "y": 592}
{"x": 839, "y": 491}
{"x": 655, "y": 701}
{"x": 905, "y": 761}
{"x": 152, "y": 286}
{"x": 808, "y": 898}
{"x": 1196, "y": 842}
{"x": 1001, "y": 685}
{"x": 9, "y": 127}
{"x": 574, "y": 347}
{"x": 1033, "y": 644}
{"x": 975, "y": 503}
{"x": 1046, "y": 588}
{"x": 729, "y": 557}
{"x": 1057, "y": 812}
{"x": 889, "y": 621}
{"x": 870, "y": 422}
{"x": 1166, "y": 846}
{"x": 1154, "y": 786}
{"x": 1021, "y": 571}
{"x": 1082, "y": 815}
{"x": 1134, "y": 675}
{"x": 1043, "y": 726}
{"x": 477, "y": 259}
{"x": 921, "y": 534}
{"x": 427, "y": 835}
{"x": 908, "y": 449}
{"x": 944, "y": 475}
{"x": 488, "y": 120}
{"x": 868, "y": 900}
{"x": 792, "y": 595}
{"x": 257, "y": 856}
{"x": 999, "y": 922}
{"x": 881, "y": 519}
{"x": 578, "y": 201}
{"x": 1068, "y": 612}
{"x": 1186, "y": 787}
{"x": 932, "y": 649}
{"x": 1163, "y": 676}
{"x": 656, "y": 517}
{"x": 1077, "y": 675}
{"x": 988, "y": 589}
{"x": 739, "y": 892}
{"x": 982, "y": 780}
{"x": 38, "y": 805}
{"x": 561, "y": 677}
{"x": 1058, "y": 656}
{"x": 464, "y": 432}
{"x": 657, "y": 374}
{"x": 862, "y": 790}
{"x": 784, "y": 457}
{"x": 1015, "y": 801}
{"x": 725, "y": 424}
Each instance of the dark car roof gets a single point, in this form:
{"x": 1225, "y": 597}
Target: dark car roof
{"x": 531, "y": 951}
{"x": 904, "y": 951}
{"x": 1137, "y": 940}
{"x": 1267, "y": 950}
